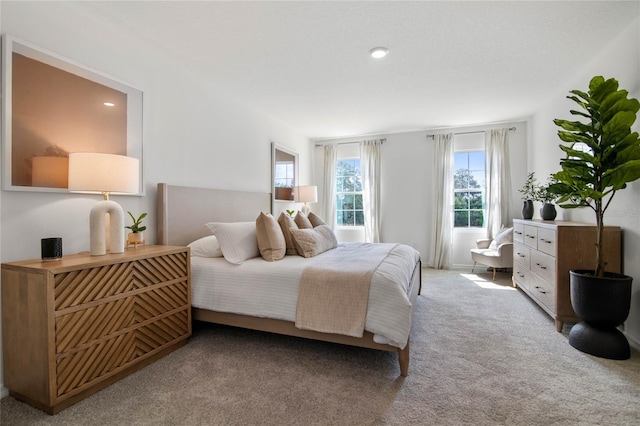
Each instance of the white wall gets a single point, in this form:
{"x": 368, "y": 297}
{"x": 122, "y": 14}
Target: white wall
{"x": 622, "y": 62}
{"x": 193, "y": 134}
{"x": 407, "y": 188}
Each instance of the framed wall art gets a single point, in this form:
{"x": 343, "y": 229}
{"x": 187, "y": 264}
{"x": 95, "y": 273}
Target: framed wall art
{"x": 53, "y": 106}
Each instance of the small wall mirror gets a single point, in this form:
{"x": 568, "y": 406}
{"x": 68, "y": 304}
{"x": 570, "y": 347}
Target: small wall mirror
{"x": 284, "y": 173}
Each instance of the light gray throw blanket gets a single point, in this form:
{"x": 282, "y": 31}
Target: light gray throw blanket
{"x": 334, "y": 292}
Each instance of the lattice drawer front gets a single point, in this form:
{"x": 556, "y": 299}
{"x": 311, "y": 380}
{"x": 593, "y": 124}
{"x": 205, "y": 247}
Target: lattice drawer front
{"x": 105, "y": 356}
{"x": 81, "y": 327}
{"x": 164, "y": 299}
{"x": 77, "y": 287}
{"x": 159, "y": 269}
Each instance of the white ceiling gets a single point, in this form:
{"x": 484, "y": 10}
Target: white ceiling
{"x": 451, "y": 63}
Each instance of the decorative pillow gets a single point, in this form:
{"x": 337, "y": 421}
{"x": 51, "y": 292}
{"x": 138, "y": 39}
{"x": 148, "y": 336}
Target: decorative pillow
{"x": 270, "y": 238}
{"x": 303, "y": 221}
{"x": 504, "y": 236}
{"x": 315, "y": 219}
{"x": 311, "y": 242}
{"x": 206, "y": 247}
{"x": 286, "y": 223}
{"x": 238, "y": 240}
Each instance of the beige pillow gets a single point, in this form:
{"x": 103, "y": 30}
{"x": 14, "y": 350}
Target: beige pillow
{"x": 270, "y": 238}
{"x": 238, "y": 240}
{"x": 311, "y": 242}
{"x": 302, "y": 221}
{"x": 315, "y": 219}
{"x": 286, "y": 223}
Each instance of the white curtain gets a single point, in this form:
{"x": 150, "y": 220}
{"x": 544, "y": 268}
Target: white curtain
{"x": 498, "y": 191}
{"x": 329, "y": 190}
{"x": 370, "y": 169}
{"x": 442, "y": 234}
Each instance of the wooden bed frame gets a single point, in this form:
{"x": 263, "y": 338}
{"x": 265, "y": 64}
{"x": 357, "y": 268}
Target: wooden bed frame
{"x": 182, "y": 214}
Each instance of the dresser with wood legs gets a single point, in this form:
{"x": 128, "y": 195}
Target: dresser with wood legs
{"x": 545, "y": 251}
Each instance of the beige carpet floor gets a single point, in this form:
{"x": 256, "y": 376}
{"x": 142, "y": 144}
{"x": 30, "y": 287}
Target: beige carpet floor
{"x": 482, "y": 354}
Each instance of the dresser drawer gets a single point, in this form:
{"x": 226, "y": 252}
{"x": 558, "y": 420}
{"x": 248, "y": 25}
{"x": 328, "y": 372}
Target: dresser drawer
{"x": 543, "y": 265}
{"x": 522, "y": 255}
{"x": 531, "y": 236}
{"x": 80, "y": 368}
{"x": 109, "y": 318}
{"x": 518, "y": 233}
{"x": 543, "y": 291}
{"x": 547, "y": 241}
{"x": 521, "y": 275}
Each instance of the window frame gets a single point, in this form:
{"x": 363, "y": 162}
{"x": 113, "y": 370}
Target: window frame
{"x": 482, "y": 190}
{"x": 338, "y": 193}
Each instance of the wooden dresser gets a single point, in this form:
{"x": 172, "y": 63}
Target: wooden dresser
{"x": 73, "y": 326}
{"x": 545, "y": 251}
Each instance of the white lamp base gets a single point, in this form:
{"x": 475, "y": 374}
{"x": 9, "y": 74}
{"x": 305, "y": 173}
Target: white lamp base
{"x": 97, "y": 233}
{"x": 305, "y": 209}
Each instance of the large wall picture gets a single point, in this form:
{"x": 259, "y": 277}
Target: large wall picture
{"x": 53, "y": 107}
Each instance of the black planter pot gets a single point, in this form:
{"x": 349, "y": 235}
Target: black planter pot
{"x": 602, "y": 304}
{"x": 527, "y": 209}
{"x": 548, "y": 211}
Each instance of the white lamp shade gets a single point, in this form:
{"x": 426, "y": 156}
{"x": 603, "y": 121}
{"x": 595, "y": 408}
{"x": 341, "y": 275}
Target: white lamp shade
{"x": 100, "y": 173}
{"x": 50, "y": 172}
{"x": 307, "y": 194}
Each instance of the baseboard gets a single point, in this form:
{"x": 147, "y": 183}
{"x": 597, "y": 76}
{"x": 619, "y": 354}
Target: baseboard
{"x": 4, "y": 392}
{"x": 634, "y": 343}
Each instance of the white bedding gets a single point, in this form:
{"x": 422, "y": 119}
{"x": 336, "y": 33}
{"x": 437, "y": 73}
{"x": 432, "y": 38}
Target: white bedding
{"x": 270, "y": 290}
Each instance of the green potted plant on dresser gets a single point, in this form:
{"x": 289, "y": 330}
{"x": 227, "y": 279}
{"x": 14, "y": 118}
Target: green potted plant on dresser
{"x": 603, "y": 156}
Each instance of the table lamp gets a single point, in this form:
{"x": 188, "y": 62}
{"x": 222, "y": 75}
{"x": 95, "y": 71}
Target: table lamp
{"x": 93, "y": 172}
{"x": 306, "y": 194}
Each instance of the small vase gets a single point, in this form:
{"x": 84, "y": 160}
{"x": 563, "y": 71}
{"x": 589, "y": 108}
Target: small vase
{"x": 527, "y": 209}
{"x": 548, "y": 211}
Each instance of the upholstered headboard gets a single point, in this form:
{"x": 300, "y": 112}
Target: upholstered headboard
{"x": 183, "y": 211}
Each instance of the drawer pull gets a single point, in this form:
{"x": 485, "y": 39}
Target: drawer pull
{"x": 540, "y": 266}
{"x": 545, "y": 241}
{"x": 520, "y": 274}
{"x": 518, "y": 232}
{"x": 520, "y": 254}
{"x": 540, "y": 290}
{"x": 530, "y": 236}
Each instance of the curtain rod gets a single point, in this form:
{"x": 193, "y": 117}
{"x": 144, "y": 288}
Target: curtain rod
{"x": 432, "y": 136}
{"x": 382, "y": 140}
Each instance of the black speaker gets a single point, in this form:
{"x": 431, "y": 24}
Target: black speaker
{"x": 51, "y": 248}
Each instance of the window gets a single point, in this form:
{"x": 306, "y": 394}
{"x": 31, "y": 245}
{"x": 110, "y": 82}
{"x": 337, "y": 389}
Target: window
{"x": 469, "y": 187}
{"x": 349, "y": 193}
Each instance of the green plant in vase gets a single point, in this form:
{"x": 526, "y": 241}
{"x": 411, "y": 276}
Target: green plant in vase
{"x": 602, "y": 157}
{"x": 136, "y": 236}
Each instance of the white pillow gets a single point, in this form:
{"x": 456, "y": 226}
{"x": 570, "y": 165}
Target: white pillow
{"x": 238, "y": 240}
{"x": 206, "y": 247}
{"x": 504, "y": 236}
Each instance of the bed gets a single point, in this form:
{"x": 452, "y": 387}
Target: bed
{"x": 182, "y": 214}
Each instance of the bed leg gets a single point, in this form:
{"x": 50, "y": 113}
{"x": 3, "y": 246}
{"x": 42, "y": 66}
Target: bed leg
{"x": 403, "y": 358}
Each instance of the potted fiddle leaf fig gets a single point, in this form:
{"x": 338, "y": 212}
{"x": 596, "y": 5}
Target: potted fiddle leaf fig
{"x": 602, "y": 157}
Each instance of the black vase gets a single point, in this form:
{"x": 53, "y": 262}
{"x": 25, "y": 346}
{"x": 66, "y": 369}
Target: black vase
{"x": 603, "y": 304}
{"x": 548, "y": 211}
{"x": 527, "y": 209}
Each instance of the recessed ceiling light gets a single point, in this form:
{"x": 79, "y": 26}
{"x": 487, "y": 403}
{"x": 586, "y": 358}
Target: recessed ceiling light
{"x": 109, "y": 104}
{"x": 379, "y": 52}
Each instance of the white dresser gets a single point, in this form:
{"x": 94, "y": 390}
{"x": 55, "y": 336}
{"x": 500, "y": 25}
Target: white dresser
{"x": 545, "y": 251}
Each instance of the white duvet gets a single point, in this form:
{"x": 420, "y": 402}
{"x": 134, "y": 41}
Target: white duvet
{"x": 270, "y": 289}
